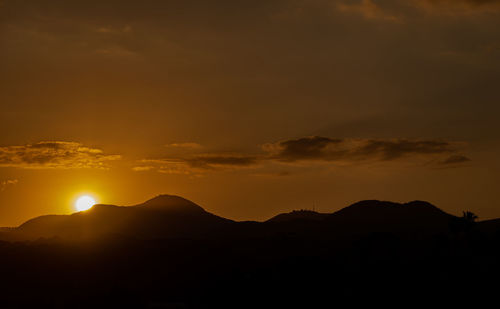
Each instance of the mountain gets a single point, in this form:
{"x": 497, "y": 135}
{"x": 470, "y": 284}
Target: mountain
{"x": 165, "y": 216}
{"x": 168, "y": 216}
{"x": 383, "y": 216}
{"x": 413, "y": 219}
{"x": 296, "y": 215}
{"x": 490, "y": 226}
{"x": 169, "y": 252}
{"x": 173, "y": 204}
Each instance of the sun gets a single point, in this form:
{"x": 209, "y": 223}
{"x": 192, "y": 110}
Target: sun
{"x": 84, "y": 202}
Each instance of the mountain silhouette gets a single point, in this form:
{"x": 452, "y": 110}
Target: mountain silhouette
{"x": 165, "y": 216}
{"x": 298, "y": 215}
{"x": 383, "y": 216}
{"x": 169, "y": 216}
{"x": 169, "y": 252}
{"x": 172, "y": 203}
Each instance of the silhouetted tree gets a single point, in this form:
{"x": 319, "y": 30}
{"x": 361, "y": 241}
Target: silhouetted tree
{"x": 461, "y": 226}
{"x": 469, "y": 216}
{"x": 468, "y": 228}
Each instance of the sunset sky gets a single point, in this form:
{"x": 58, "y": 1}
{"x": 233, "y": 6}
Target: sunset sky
{"x": 249, "y": 108}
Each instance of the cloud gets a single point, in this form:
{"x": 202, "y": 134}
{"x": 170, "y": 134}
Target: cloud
{"x": 119, "y": 51}
{"x": 198, "y": 164}
{"x": 142, "y": 168}
{"x": 314, "y": 149}
{"x": 114, "y": 30}
{"x": 299, "y": 149}
{"x": 221, "y": 161}
{"x": 164, "y": 165}
{"x": 458, "y": 7}
{"x": 317, "y": 148}
{"x": 272, "y": 174}
{"x": 455, "y": 159}
{"x": 400, "y": 10}
{"x": 54, "y": 154}
{"x": 7, "y": 183}
{"x": 186, "y": 145}
{"x": 472, "y": 3}
{"x": 369, "y": 10}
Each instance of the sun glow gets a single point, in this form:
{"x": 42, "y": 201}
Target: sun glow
{"x": 84, "y": 202}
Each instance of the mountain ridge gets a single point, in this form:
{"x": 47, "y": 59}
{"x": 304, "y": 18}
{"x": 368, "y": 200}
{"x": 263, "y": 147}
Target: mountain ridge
{"x": 171, "y": 216}
{"x": 161, "y": 216}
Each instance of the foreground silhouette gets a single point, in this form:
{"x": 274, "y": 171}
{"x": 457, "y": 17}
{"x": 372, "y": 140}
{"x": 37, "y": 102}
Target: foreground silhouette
{"x": 171, "y": 253}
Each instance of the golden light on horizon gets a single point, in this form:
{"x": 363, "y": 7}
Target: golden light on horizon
{"x": 84, "y": 202}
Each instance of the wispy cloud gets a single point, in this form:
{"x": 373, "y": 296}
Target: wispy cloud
{"x": 198, "y": 164}
{"x": 369, "y": 10}
{"x": 401, "y": 10}
{"x": 455, "y": 160}
{"x": 317, "y": 148}
{"x": 314, "y": 150}
{"x": 115, "y": 50}
{"x": 185, "y": 145}
{"x": 7, "y": 183}
{"x": 142, "y": 168}
{"x": 114, "y": 30}
{"x": 214, "y": 161}
{"x": 54, "y": 154}
{"x": 458, "y": 7}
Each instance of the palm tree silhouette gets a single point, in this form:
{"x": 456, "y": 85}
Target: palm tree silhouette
{"x": 468, "y": 223}
{"x": 469, "y": 216}
{"x": 461, "y": 226}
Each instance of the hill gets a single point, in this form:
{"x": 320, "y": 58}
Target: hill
{"x": 164, "y": 216}
{"x": 168, "y": 216}
{"x": 170, "y": 253}
{"x": 383, "y": 216}
{"x": 299, "y": 215}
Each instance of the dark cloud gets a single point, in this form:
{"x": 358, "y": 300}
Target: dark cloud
{"x": 209, "y": 55}
{"x": 198, "y": 164}
{"x": 371, "y": 10}
{"x": 54, "y": 154}
{"x": 318, "y": 148}
{"x": 455, "y": 159}
{"x": 214, "y": 161}
{"x": 313, "y": 149}
{"x": 459, "y": 6}
{"x": 470, "y": 2}
{"x": 401, "y": 10}
{"x": 395, "y": 149}
{"x": 273, "y": 174}
{"x": 301, "y": 149}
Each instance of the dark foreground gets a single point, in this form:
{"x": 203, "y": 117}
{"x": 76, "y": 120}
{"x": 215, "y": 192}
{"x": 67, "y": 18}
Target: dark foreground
{"x": 297, "y": 263}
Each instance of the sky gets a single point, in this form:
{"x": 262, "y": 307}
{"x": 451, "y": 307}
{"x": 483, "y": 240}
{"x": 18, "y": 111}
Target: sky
{"x": 249, "y": 108}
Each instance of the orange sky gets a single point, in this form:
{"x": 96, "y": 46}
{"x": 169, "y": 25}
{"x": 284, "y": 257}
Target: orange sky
{"x": 249, "y": 108}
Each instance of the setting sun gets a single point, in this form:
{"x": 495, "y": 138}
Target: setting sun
{"x": 84, "y": 202}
